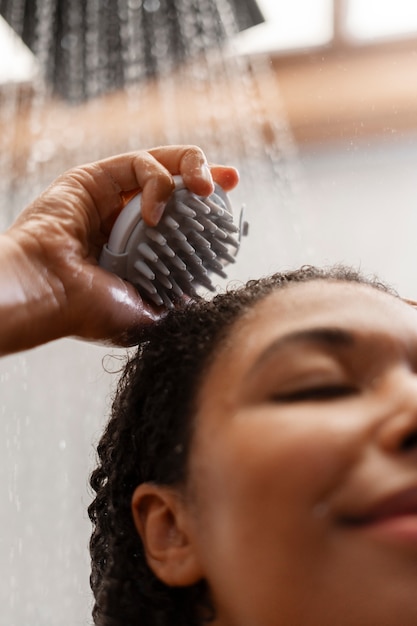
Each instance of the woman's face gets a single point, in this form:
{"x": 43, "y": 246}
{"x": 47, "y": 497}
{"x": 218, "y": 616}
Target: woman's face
{"x": 303, "y": 468}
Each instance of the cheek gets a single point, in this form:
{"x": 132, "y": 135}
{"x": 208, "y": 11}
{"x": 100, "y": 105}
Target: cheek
{"x": 261, "y": 483}
{"x": 263, "y": 480}
{"x": 285, "y": 462}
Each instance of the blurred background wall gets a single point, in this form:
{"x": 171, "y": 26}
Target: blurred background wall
{"x": 315, "y": 102}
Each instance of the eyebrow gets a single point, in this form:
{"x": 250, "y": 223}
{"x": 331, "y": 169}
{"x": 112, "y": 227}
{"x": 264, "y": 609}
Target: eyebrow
{"x": 326, "y": 337}
{"x": 412, "y": 303}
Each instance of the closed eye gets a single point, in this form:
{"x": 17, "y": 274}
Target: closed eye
{"x": 316, "y": 394}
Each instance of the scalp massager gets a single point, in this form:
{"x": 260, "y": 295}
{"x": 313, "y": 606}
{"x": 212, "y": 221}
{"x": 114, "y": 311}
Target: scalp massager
{"x": 196, "y": 237}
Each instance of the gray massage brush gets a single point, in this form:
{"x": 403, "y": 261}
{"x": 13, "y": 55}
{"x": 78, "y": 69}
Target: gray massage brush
{"x": 195, "y": 238}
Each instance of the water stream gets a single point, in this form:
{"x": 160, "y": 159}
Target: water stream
{"x": 132, "y": 82}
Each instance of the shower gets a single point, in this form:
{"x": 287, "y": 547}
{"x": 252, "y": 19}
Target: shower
{"x": 115, "y": 76}
{"x": 88, "y": 43}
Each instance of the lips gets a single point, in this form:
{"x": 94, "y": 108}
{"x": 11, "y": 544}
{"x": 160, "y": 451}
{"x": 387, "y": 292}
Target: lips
{"x": 400, "y": 504}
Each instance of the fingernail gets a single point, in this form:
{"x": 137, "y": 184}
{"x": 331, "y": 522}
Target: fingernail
{"x": 157, "y": 211}
{"x": 206, "y": 173}
{"x": 206, "y": 177}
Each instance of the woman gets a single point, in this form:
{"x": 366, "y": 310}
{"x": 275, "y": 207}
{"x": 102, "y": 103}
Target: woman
{"x": 260, "y": 464}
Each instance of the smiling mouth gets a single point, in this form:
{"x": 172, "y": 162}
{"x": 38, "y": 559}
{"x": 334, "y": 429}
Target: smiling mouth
{"x": 394, "y": 517}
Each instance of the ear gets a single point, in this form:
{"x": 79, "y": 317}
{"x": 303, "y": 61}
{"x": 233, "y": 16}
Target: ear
{"x": 164, "y": 524}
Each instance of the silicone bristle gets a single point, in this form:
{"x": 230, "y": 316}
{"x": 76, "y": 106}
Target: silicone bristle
{"x": 217, "y": 270}
{"x": 178, "y": 235}
{"x": 156, "y": 236}
{"x": 207, "y": 254}
{"x": 222, "y": 251}
{"x": 186, "y": 276}
{"x": 186, "y": 247}
{"x": 200, "y": 206}
{"x": 215, "y": 265}
{"x": 176, "y": 288}
{"x": 232, "y": 241}
{"x": 165, "y": 282}
{"x": 147, "y": 285}
{"x": 167, "y": 300}
{"x": 198, "y": 241}
{"x": 147, "y": 252}
{"x": 170, "y": 222}
{"x": 155, "y": 298}
{"x": 194, "y": 239}
{"x": 183, "y": 209}
{"x": 209, "y": 225}
{"x": 162, "y": 268}
{"x": 189, "y": 222}
{"x": 145, "y": 270}
{"x": 215, "y": 208}
{"x": 195, "y": 273}
{"x": 229, "y": 226}
{"x": 168, "y": 251}
{"x": 178, "y": 263}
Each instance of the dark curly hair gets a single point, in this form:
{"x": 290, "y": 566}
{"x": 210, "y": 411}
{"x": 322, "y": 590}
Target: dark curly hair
{"x": 148, "y": 438}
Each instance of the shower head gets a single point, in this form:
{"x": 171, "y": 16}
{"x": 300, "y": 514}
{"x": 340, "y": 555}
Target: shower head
{"x": 88, "y": 47}
{"x": 195, "y": 238}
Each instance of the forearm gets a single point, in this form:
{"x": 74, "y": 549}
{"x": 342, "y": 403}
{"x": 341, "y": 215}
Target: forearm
{"x": 28, "y": 306}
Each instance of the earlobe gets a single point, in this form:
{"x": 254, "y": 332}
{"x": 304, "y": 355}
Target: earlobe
{"x": 162, "y": 521}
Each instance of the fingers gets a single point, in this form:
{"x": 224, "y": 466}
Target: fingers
{"x": 131, "y": 173}
{"x": 226, "y": 177}
{"x": 191, "y": 163}
{"x": 109, "y": 183}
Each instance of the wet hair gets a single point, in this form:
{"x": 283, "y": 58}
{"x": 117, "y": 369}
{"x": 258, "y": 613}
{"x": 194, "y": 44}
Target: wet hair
{"x": 148, "y": 439}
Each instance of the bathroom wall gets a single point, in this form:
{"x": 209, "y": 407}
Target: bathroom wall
{"x": 354, "y": 202}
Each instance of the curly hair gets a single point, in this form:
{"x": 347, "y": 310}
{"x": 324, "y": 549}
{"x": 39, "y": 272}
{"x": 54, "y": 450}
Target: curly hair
{"x": 148, "y": 438}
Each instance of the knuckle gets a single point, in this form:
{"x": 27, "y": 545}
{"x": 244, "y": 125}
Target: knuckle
{"x": 196, "y": 151}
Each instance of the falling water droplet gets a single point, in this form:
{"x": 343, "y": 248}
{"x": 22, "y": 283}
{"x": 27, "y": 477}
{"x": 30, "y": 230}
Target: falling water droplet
{"x": 151, "y": 6}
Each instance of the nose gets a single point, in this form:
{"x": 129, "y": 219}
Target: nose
{"x": 397, "y": 432}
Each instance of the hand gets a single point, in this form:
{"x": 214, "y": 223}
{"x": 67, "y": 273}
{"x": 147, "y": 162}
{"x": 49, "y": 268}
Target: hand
{"x": 50, "y": 283}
